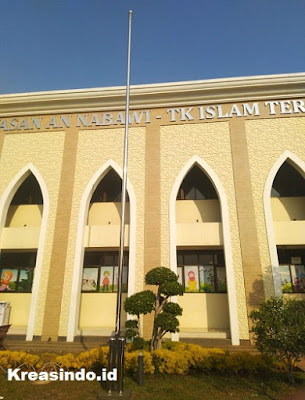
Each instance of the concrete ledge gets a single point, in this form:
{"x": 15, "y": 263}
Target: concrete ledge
{"x": 196, "y": 333}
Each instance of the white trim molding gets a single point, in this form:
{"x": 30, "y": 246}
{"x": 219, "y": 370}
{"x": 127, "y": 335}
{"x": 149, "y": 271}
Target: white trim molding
{"x": 156, "y": 95}
{"x": 299, "y": 165}
{"x": 5, "y": 202}
{"x": 79, "y": 248}
{"x": 196, "y": 160}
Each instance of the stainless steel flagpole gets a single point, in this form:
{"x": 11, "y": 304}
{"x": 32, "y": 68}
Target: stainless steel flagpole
{"x": 124, "y": 191}
{"x": 117, "y": 343}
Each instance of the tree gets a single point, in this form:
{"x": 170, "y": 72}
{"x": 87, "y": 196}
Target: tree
{"x": 166, "y": 312}
{"x": 279, "y": 329}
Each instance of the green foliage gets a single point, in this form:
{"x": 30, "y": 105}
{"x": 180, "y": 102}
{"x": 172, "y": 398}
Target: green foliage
{"x": 131, "y": 324}
{"x": 172, "y": 308}
{"x": 160, "y": 275}
{"x": 175, "y": 358}
{"x": 165, "y": 312}
{"x": 287, "y": 288}
{"x": 139, "y": 344}
{"x": 207, "y": 288}
{"x": 130, "y": 333}
{"x": 279, "y": 328}
{"x": 171, "y": 288}
{"x": 140, "y": 303}
{"x": 167, "y": 322}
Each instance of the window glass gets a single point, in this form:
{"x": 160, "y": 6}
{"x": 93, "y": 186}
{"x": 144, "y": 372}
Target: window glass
{"x": 25, "y": 280}
{"x": 9, "y": 279}
{"x": 298, "y": 278}
{"x": 90, "y": 279}
{"x": 286, "y": 279}
{"x": 190, "y": 259}
{"x": 221, "y": 279}
{"x": 102, "y": 269}
{"x": 179, "y": 259}
{"x": 205, "y": 259}
{"x": 191, "y": 279}
{"x": 108, "y": 259}
{"x": 106, "y": 279}
{"x": 125, "y": 280}
{"x": 207, "y": 279}
{"x": 179, "y": 274}
{"x": 202, "y": 271}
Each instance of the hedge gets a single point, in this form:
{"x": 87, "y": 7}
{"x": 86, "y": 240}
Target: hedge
{"x": 175, "y": 358}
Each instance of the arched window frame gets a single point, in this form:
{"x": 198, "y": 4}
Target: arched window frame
{"x": 234, "y": 326}
{"x": 299, "y": 165}
{"x": 79, "y": 248}
{"x": 5, "y": 202}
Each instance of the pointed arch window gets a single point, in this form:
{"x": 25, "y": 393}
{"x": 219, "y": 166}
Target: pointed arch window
{"x": 17, "y": 265}
{"x": 289, "y": 189}
{"x": 196, "y": 186}
{"x": 109, "y": 189}
{"x": 288, "y": 182}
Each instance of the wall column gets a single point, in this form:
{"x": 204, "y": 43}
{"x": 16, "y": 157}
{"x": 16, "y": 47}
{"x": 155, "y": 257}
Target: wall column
{"x": 246, "y": 216}
{"x": 152, "y": 222}
{"x": 60, "y": 240}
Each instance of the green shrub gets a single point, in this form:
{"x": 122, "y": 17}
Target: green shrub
{"x": 279, "y": 329}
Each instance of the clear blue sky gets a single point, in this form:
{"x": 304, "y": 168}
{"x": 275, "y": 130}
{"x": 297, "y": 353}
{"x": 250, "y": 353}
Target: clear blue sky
{"x": 65, "y": 44}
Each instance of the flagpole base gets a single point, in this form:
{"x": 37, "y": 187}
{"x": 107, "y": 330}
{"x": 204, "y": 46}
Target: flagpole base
{"x": 114, "y": 395}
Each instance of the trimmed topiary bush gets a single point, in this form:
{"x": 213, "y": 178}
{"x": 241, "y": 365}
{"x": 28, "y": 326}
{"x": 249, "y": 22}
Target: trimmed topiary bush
{"x": 165, "y": 312}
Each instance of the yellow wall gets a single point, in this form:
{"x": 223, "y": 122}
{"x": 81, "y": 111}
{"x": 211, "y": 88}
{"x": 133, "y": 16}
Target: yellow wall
{"x": 204, "y": 311}
{"x": 104, "y": 236}
{"x": 20, "y": 238}
{"x": 106, "y": 214}
{"x": 288, "y": 208}
{"x": 20, "y": 307}
{"x": 196, "y": 211}
{"x": 206, "y": 234}
{"x": 289, "y": 233}
{"x": 97, "y": 311}
{"x": 24, "y": 215}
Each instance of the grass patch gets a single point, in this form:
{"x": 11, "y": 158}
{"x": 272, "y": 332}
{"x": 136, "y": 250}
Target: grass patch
{"x": 165, "y": 387}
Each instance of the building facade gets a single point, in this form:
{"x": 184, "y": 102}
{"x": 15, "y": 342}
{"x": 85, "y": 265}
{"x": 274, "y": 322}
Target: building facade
{"x": 216, "y": 192}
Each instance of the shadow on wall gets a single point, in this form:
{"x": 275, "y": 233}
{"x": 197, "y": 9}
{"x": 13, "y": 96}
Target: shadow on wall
{"x": 217, "y": 311}
{"x": 257, "y": 294}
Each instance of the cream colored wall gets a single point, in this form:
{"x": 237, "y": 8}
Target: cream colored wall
{"x": 24, "y": 215}
{"x": 197, "y": 211}
{"x": 288, "y": 208}
{"x": 20, "y": 238}
{"x": 95, "y": 147}
{"x": 104, "y": 236}
{"x": 42, "y": 149}
{"x": 97, "y": 311}
{"x": 206, "y": 234}
{"x": 211, "y": 142}
{"x": 103, "y": 229}
{"x": 203, "y": 312}
{"x": 267, "y": 140}
{"x": 22, "y": 227}
{"x": 20, "y": 307}
{"x": 289, "y": 233}
{"x": 106, "y": 214}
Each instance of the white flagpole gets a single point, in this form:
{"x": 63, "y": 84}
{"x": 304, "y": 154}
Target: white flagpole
{"x": 124, "y": 191}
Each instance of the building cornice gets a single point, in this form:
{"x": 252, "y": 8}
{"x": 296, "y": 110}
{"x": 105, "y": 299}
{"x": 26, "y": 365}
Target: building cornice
{"x": 148, "y": 96}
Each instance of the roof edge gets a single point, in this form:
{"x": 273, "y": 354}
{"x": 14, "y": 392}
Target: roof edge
{"x": 156, "y": 95}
